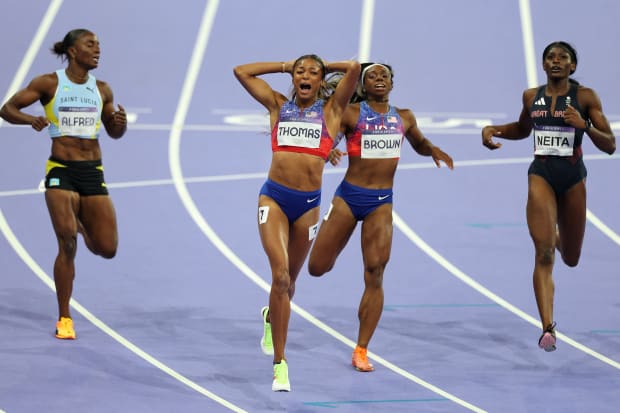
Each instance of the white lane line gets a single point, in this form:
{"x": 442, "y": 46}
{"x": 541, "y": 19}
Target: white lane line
{"x": 602, "y": 227}
{"x": 46, "y": 279}
{"x": 366, "y": 25}
{"x": 532, "y": 81}
{"x": 336, "y": 171}
{"x": 38, "y": 271}
{"x": 33, "y": 49}
{"x": 529, "y": 51}
{"x": 330, "y": 171}
{"x": 179, "y": 118}
{"x": 192, "y": 209}
{"x": 420, "y": 243}
{"x": 531, "y": 71}
{"x": 254, "y": 277}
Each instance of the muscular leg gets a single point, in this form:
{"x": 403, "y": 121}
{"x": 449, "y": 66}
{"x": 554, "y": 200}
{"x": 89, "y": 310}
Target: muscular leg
{"x": 63, "y": 207}
{"x": 572, "y": 223}
{"x": 376, "y": 246}
{"x": 274, "y": 234}
{"x": 97, "y": 224}
{"x": 542, "y": 221}
{"x": 333, "y": 236}
{"x": 299, "y": 244}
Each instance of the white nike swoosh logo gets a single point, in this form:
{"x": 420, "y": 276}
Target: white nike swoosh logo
{"x": 371, "y": 117}
{"x": 381, "y": 198}
{"x": 312, "y": 199}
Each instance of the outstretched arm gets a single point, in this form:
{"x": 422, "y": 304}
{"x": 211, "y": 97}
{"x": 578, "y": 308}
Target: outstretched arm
{"x": 420, "y": 143}
{"x": 514, "y": 130}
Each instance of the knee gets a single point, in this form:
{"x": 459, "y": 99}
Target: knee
{"x": 105, "y": 250}
{"x": 570, "y": 253}
{"x": 281, "y": 282}
{"x": 373, "y": 276}
{"x": 571, "y": 260}
{"x": 545, "y": 255}
{"x": 67, "y": 245}
{"x": 316, "y": 270}
{"x": 107, "y": 253}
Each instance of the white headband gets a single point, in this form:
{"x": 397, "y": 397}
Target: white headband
{"x": 373, "y": 65}
{"x": 360, "y": 84}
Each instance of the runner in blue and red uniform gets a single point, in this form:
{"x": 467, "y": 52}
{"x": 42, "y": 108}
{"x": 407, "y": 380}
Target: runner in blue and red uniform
{"x": 76, "y": 105}
{"x": 559, "y": 113}
{"x": 375, "y": 132}
{"x": 302, "y": 134}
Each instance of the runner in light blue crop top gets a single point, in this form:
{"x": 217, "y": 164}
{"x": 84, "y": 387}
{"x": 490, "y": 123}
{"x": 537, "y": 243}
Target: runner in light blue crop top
{"x": 75, "y": 109}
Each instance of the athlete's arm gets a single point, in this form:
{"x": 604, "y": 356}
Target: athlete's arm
{"x": 420, "y": 143}
{"x": 515, "y": 130}
{"x": 37, "y": 90}
{"x": 115, "y": 121}
{"x": 599, "y": 131}
{"x": 248, "y": 76}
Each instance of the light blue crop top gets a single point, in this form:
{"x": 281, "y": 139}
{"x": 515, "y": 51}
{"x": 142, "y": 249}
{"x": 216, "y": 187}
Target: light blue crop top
{"x": 75, "y": 109}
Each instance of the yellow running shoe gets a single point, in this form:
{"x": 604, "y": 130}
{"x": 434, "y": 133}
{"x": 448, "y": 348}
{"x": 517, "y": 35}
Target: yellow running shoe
{"x": 266, "y": 343}
{"x": 360, "y": 360}
{"x": 280, "y": 377}
{"x": 64, "y": 329}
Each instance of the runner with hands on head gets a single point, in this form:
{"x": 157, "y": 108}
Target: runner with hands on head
{"x": 302, "y": 132}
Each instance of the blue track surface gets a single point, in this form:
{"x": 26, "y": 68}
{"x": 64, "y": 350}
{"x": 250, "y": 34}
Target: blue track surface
{"x": 173, "y": 322}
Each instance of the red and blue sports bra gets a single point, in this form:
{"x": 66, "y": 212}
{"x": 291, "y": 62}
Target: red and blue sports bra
{"x": 302, "y": 130}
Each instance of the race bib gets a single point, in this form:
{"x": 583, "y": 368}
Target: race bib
{"x": 554, "y": 140}
{"x": 302, "y": 134}
{"x": 381, "y": 146}
{"x": 77, "y": 121}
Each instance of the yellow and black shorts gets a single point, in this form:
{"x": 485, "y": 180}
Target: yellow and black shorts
{"x": 83, "y": 177}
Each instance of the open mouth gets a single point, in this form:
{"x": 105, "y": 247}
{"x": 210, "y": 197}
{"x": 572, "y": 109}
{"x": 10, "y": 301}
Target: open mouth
{"x": 305, "y": 86}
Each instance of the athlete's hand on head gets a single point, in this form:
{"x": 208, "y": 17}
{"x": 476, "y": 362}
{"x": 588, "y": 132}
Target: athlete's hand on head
{"x": 288, "y": 66}
{"x": 119, "y": 117}
{"x": 487, "y": 134}
{"x": 39, "y": 123}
